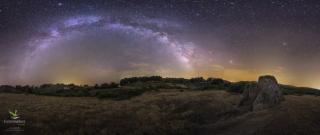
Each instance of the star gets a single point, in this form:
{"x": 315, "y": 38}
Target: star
{"x": 109, "y": 39}
{"x": 231, "y": 62}
{"x": 284, "y": 44}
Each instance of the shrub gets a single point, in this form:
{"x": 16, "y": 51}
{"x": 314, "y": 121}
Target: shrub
{"x": 239, "y": 87}
{"x": 127, "y": 81}
{"x": 291, "y": 90}
{"x": 120, "y": 94}
{"x": 106, "y": 85}
{"x": 175, "y": 80}
{"x": 197, "y": 80}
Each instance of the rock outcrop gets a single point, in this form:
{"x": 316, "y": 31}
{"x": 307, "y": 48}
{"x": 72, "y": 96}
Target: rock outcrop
{"x": 265, "y": 94}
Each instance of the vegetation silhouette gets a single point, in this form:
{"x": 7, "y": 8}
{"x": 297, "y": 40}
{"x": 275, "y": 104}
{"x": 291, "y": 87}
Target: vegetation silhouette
{"x": 135, "y": 86}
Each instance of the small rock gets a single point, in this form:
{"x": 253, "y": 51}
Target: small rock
{"x": 249, "y": 94}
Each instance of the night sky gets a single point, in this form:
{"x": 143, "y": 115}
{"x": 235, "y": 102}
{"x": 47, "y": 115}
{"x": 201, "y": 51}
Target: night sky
{"x": 95, "y": 41}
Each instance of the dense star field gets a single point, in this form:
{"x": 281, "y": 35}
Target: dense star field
{"x": 95, "y": 41}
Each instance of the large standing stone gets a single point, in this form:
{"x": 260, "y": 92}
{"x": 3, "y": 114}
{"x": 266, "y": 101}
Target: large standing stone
{"x": 269, "y": 95}
{"x": 265, "y": 94}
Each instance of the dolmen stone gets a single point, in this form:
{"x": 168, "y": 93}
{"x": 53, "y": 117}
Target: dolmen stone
{"x": 264, "y": 94}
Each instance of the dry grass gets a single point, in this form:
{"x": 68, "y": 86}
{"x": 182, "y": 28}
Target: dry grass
{"x": 162, "y": 113}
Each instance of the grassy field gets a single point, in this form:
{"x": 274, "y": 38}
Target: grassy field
{"x": 162, "y": 113}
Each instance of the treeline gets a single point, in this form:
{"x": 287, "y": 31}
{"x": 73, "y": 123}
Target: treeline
{"x": 59, "y": 86}
{"x": 67, "y": 90}
{"x": 199, "y": 83}
{"x": 193, "y": 83}
{"x": 134, "y": 86}
{"x": 127, "y": 88}
{"x": 131, "y": 80}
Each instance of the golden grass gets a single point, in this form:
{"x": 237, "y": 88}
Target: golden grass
{"x": 161, "y": 113}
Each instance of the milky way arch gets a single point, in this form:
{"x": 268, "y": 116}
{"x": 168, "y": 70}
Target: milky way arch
{"x": 151, "y": 50}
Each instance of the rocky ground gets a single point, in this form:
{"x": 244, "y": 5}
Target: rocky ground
{"x": 163, "y": 113}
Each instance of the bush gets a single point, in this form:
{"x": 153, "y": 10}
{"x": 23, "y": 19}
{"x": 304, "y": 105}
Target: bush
{"x": 106, "y": 85}
{"x": 127, "y": 81}
{"x": 120, "y": 94}
{"x": 197, "y": 80}
{"x": 291, "y": 90}
{"x": 239, "y": 87}
{"x": 175, "y": 80}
